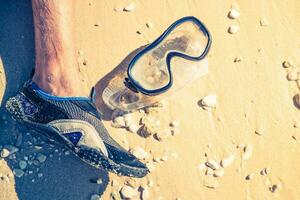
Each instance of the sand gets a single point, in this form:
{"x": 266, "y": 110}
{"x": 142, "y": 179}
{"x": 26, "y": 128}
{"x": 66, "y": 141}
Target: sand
{"x": 254, "y": 101}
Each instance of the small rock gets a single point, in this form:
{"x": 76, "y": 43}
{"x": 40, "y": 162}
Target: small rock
{"x": 247, "y": 152}
{"x": 40, "y": 175}
{"x": 148, "y": 130}
{"x": 249, "y": 177}
{"x": 219, "y": 173}
{"x": 264, "y": 22}
{"x": 296, "y": 125}
{"x": 128, "y": 192}
{"x": 265, "y": 171}
{"x": 41, "y": 158}
{"x": 99, "y": 181}
{"x": 273, "y": 188}
{"x": 130, "y": 7}
{"x": 95, "y": 197}
{"x": 234, "y": 14}
{"x": 287, "y": 64}
{"x": 139, "y": 152}
{"x": 150, "y": 25}
{"x": 4, "y": 153}
{"x": 233, "y": 29}
{"x": 150, "y": 183}
{"x": 226, "y": 162}
{"x": 18, "y": 172}
{"x": 293, "y": 75}
{"x": 174, "y": 124}
{"x": 164, "y": 158}
{"x": 209, "y": 100}
{"x": 12, "y": 149}
{"x": 175, "y": 131}
{"x": 212, "y": 164}
{"x": 145, "y": 194}
{"x": 119, "y": 122}
{"x": 22, "y": 164}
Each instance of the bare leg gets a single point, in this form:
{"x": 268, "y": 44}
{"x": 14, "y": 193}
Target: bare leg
{"x": 56, "y": 69}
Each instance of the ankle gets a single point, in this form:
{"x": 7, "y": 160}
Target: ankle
{"x": 59, "y": 84}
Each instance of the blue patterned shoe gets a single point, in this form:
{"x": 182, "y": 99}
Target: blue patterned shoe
{"x": 75, "y": 123}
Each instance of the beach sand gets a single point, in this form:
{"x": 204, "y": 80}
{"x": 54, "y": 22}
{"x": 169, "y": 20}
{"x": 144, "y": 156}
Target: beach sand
{"x": 255, "y": 120}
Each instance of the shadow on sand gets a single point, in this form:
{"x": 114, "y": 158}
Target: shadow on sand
{"x": 62, "y": 176}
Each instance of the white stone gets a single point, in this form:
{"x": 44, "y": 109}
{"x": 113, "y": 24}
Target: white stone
{"x": 18, "y": 172}
{"x": 118, "y": 122}
{"x": 209, "y": 100}
{"x": 219, "y": 173}
{"x": 234, "y": 14}
{"x": 4, "y": 153}
{"x": 130, "y": 7}
{"x": 226, "y": 162}
{"x": 247, "y": 152}
{"x": 95, "y": 197}
{"x": 22, "y": 164}
{"x": 287, "y": 64}
{"x": 139, "y": 152}
{"x": 233, "y": 29}
{"x": 128, "y": 192}
{"x": 145, "y": 194}
{"x": 174, "y": 124}
{"x": 264, "y": 22}
{"x": 41, "y": 158}
{"x": 212, "y": 164}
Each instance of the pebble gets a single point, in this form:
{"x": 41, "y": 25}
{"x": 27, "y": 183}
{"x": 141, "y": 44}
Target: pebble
{"x": 95, "y": 197}
{"x": 233, "y": 29}
{"x": 118, "y": 122}
{"x": 175, "y": 131}
{"x": 150, "y": 25}
{"x": 150, "y": 183}
{"x": 287, "y": 64}
{"x": 237, "y": 59}
{"x": 297, "y": 100}
{"x": 4, "y": 153}
{"x": 139, "y": 152}
{"x": 259, "y": 131}
{"x": 174, "y": 124}
{"x": 145, "y": 194}
{"x": 22, "y": 164}
{"x": 296, "y": 125}
{"x": 264, "y": 22}
{"x": 293, "y": 75}
{"x": 212, "y": 164}
{"x": 247, "y": 152}
{"x": 209, "y": 100}
{"x": 249, "y": 177}
{"x": 130, "y": 7}
{"x": 40, "y": 175}
{"x": 12, "y": 149}
{"x": 148, "y": 130}
{"x": 18, "y": 172}
{"x": 219, "y": 173}
{"x": 265, "y": 171}
{"x": 128, "y": 192}
{"x": 226, "y": 162}
{"x": 273, "y": 188}
{"x": 234, "y": 14}
{"x": 41, "y": 158}
{"x": 99, "y": 181}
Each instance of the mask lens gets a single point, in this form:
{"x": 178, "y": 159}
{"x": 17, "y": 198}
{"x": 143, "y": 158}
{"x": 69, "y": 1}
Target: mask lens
{"x": 150, "y": 71}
